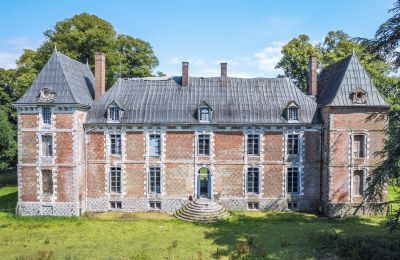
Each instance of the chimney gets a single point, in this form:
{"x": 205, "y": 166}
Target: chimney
{"x": 185, "y": 74}
{"x": 100, "y": 74}
{"x": 312, "y": 77}
{"x": 224, "y": 69}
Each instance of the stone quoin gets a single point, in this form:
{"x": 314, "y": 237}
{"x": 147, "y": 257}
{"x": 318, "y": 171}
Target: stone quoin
{"x": 159, "y": 143}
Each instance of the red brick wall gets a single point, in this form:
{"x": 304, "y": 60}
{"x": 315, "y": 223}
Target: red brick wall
{"x": 273, "y": 146}
{"x": 179, "y": 145}
{"x": 96, "y": 146}
{"x": 312, "y": 146}
{"x": 179, "y": 180}
{"x": 65, "y": 149}
{"x": 65, "y": 184}
{"x": 228, "y": 180}
{"x": 273, "y": 181}
{"x": 228, "y": 146}
{"x": 135, "y": 176}
{"x": 29, "y": 120}
{"x": 64, "y": 121}
{"x": 28, "y": 191}
{"x": 134, "y": 146}
{"x": 29, "y": 147}
{"x": 96, "y": 180}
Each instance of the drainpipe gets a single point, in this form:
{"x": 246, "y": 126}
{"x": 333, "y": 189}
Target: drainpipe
{"x": 86, "y": 166}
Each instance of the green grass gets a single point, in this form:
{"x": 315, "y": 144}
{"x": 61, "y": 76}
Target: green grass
{"x": 160, "y": 236}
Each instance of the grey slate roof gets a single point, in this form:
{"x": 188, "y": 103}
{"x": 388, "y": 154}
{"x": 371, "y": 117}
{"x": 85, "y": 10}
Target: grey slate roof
{"x": 337, "y": 81}
{"x": 236, "y": 101}
{"x": 72, "y": 81}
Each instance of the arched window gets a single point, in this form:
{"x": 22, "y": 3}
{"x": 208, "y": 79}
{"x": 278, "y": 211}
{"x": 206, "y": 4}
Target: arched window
{"x": 204, "y": 114}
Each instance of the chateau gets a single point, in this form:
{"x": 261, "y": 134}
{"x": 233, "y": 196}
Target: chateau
{"x": 158, "y": 143}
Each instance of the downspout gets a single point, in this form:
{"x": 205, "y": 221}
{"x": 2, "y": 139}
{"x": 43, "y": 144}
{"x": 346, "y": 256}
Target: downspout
{"x": 86, "y": 164}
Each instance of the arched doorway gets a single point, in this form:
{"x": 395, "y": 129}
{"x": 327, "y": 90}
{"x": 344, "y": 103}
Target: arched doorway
{"x": 204, "y": 183}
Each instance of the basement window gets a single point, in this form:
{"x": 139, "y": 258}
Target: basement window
{"x": 155, "y": 205}
{"x": 253, "y": 205}
{"x": 116, "y": 204}
{"x": 292, "y": 205}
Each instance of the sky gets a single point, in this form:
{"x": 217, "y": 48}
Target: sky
{"x": 248, "y": 34}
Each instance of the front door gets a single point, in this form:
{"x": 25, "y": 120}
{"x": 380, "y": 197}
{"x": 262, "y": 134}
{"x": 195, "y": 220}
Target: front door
{"x": 203, "y": 183}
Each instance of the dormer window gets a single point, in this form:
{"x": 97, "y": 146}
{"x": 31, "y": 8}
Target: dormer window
{"x": 204, "y": 114}
{"x": 292, "y": 112}
{"x": 113, "y": 113}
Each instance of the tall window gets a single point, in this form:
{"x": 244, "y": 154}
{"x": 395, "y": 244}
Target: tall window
{"x": 204, "y": 144}
{"x": 47, "y": 145}
{"x": 115, "y": 179}
{"x": 292, "y": 180}
{"x": 253, "y": 144}
{"x": 253, "y": 180}
{"x": 113, "y": 113}
{"x": 292, "y": 114}
{"x": 115, "y": 140}
{"x": 46, "y": 115}
{"x": 359, "y": 150}
{"x": 358, "y": 182}
{"x": 154, "y": 180}
{"x": 155, "y": 145}
{"x": 47, "y": 181}
{"x": 204, "y": 114}
{"x": 293, "y": 144}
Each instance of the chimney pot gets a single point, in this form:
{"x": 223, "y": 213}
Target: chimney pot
{"x": 185, "y": 74}
{"x": 312, "y": 81}
{"x": 100, "y": 74}
{"x": 224, "y": 69}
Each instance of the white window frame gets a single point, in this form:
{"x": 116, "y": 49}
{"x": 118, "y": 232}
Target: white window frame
{"x": 198, "y": 144}
{"x": 51, "y": 182}
{"x": 155, "y": 205}
{"x": 153, "y": 153}
{"x": 292, "y": 145}
{"x": 253, "y": 207}
{"x": 51, "y": 144}
{"x": 362, "y": 180}
{"x": 253, "y": 147}
{"x": 365, "y": 140}
{"x": 293, "y": 114}
{"x": 156, "y": 169}
{"x": 116, "y": 152}
{"x": 207, "y": 116}
{"x": 117, "y": 171}
{"x": 47, "y": 111}
{"x": 258, "y": 180}
{"x": 113, "y": 116}
{"x": 298, "y": 180}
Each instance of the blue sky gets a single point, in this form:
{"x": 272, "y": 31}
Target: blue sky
{"x": 246, "y": 34}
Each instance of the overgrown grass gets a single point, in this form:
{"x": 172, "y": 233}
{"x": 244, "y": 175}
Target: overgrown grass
{"x": 246, "y": 235}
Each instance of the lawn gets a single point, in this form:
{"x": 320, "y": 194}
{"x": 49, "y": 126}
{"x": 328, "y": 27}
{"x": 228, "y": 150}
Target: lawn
{"x": 160, "y": 236}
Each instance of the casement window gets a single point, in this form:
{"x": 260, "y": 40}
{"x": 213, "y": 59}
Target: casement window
{"x": 292, "y": 180}
{"x": 359, "y": 146}
{"x": 155, "y": 145}
{"x": 115, "y": 144}
{"x": 46, "y": 115}
{"x": 293, "y": 205}
{"x": 113, "y": 113}
{"x": 292, "y": 114}
{"x": 253, "y": 144}
{"x": 253, "y": 177}
{"x": 155, "y": 180}
{"x": 204, "y": 114}
{"x": 115, "y": 179}
{"x": 116, "y": 204}
{"x": 47, "y": 145}
{"x": 47, "y": 181}
{"x": 253, "y": 205}
{"x": 204, "y": 145}
{"x": 155, "y": 205}
{"x": 358, "y": 182}
{"x": 293, "y": 144}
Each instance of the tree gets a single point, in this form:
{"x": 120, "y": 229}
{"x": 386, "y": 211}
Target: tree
{"x": 80, "y": 37}
{"x": 8, "y": 145}
{"x": 295, "y": 60}
{"x": 336, "y": 46}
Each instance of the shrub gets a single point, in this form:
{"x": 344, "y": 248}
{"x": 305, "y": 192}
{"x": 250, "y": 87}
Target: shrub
{"x": 242, "y": 247}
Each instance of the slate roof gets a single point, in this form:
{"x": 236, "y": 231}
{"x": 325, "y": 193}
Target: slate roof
{"x": 337, "y": 81}
{"x": 233, "y": 101}
{"x": 72, "y": 81}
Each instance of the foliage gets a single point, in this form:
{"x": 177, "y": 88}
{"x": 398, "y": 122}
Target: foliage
{"x": 8, "y": 145}
{"x": 336, "y": 46}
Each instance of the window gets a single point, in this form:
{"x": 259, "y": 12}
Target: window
{"x": 113, "y": 113}
{"x": 155, "y": 205}
{"x": 358, "y": 182}
{"x": 115, "y": 144}
{"x": 253, "y": 180}
{"x": 47, "y": 145}
{"x": 46, "y": 115}
{"x": 154, "y": 180}
{"x": 155, "y": 145}
{"x": 292, "y": 114}
{"x": 253, "y": 144}
{"x": 293, "y": 144}
{"x": 359, "y": 150}
{"x": 204, "y": 114}
{"x": 253, "y": 205}
{"x": 204, "y": 145}
{"x": 47, "y": 181}
{"x": 115, "y": 179}
{"x": 292, "y": 180}
{"x": 116, "y": 204}
{"x": 293, "y": 205}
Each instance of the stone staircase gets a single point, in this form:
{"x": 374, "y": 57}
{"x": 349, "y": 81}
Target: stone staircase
{"x": 202, "y": 211}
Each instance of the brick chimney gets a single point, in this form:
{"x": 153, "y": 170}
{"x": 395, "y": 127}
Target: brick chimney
{"x": 224, "y": 69}
{"x": 185, "y": 74}
{"x": 312, "y": 77}
{"x": 100, "y": 74}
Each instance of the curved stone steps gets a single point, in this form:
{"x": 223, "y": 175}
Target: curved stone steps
{"x": 201, "y": 211}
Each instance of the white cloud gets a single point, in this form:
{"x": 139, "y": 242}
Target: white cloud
{"x": 8, "y": 59}
{"x": 267, "y": 58}
{"x": 20, "y": 43}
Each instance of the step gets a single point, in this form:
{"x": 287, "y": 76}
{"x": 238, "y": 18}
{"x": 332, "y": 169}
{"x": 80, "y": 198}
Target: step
{"x": 201, "y": 211}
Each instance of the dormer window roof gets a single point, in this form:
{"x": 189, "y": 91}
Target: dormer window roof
{"x": 114, "y": 112}
{"x": 292, "y": 112}
{"x": 204, "y": 112}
